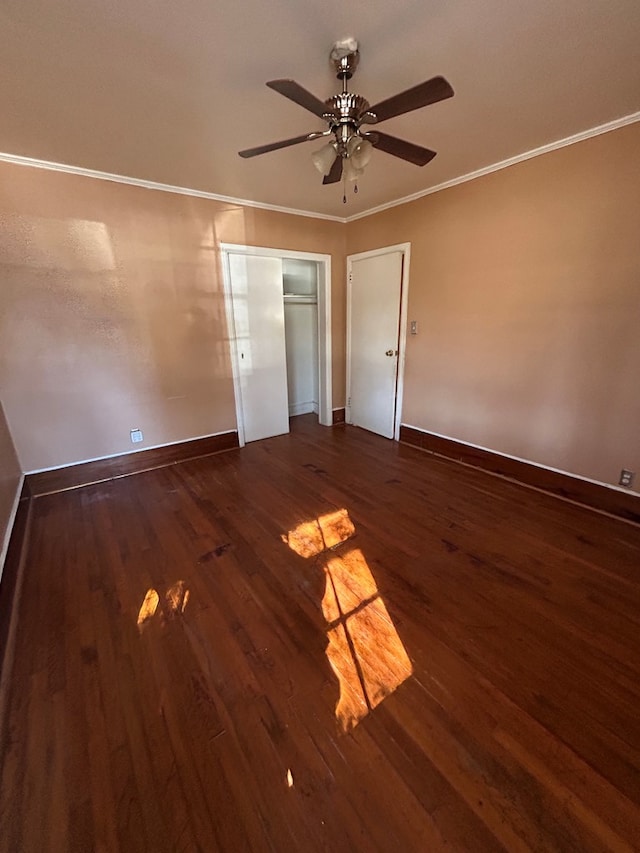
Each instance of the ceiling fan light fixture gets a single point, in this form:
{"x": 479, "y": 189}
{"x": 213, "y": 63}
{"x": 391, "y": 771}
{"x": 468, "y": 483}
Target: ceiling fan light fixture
{"x": 360, "y": 151}
{"x": 324, "y": 158}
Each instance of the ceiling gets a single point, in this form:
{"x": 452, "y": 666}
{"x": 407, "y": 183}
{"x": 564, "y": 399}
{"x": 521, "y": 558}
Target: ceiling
{"x": 169, "y": 92}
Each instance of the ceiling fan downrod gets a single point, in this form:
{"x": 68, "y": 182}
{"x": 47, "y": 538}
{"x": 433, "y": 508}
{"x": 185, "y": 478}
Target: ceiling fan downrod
{"x": 346, "y": 111}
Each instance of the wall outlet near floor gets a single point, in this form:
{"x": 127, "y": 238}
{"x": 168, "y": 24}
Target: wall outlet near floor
{"x": 136, "y": 435}
{"x": 626, "y": 477}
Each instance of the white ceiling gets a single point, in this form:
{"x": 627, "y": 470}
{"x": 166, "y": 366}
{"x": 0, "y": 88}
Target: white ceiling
{"x": 170, "y": 91}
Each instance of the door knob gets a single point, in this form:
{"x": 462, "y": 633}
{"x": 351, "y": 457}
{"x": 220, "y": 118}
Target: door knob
{"x": 391, "y": 352}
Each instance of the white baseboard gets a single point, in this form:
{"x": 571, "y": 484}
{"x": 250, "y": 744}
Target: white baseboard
{"x": 302, "y": 408}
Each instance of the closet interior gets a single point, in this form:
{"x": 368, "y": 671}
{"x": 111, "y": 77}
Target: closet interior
{"x": 300, "y": 294}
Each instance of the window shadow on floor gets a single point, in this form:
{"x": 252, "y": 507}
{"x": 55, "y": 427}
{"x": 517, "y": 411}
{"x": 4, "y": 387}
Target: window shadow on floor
{"x": 364, "y": 649}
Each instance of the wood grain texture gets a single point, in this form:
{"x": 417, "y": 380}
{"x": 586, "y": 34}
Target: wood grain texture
{"x": 563, "y": 485}
{"x": 194, "y": 643}
{"x": 73, "y": 476}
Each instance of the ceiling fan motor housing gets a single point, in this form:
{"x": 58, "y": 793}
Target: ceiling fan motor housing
{"x": 344, "y": 115}
{"x": 346, "y": 107}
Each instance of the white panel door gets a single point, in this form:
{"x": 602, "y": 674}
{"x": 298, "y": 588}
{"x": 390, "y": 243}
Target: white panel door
{"x": 374, "y": 302}
{"x": 258, "y": 312}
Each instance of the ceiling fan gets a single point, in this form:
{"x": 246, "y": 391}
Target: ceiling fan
{"x": 347, "y": 116}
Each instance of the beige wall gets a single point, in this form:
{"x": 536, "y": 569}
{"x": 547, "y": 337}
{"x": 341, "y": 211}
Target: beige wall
{"x": 526, "y": 288}
{"x": 525, "y": 284}
{"x": 10, "y": 474}
{"x": 112, "y": 314}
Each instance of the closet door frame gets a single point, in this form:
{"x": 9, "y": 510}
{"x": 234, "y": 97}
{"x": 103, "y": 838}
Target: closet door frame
{"x": 325, "y": 413}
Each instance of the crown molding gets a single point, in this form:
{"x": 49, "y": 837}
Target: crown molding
{"x": 503, "y": 164}
{"x": 19, "y": 160}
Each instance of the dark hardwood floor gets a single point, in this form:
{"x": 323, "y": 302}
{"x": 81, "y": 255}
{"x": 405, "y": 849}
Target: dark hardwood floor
{"x": 324, "y": 641}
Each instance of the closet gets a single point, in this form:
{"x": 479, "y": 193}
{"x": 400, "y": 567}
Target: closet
{"x": 278, "y": 312}
{"x": 300, "y": 294}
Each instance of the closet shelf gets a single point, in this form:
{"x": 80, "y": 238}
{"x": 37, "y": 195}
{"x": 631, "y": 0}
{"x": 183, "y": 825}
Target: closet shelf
{"x": 301, "y": 298}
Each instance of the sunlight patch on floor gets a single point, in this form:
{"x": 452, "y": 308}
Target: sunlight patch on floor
{"x": 175, "y": 601}
{"x": 148, "y": 607}
{"x": 177, "y": 597}
{"x": 313, "y": 537}
{"x": 364, "y": 649}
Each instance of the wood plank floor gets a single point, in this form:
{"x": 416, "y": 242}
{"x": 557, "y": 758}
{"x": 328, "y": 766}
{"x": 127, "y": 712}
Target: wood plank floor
{"x": 329, "y": 642}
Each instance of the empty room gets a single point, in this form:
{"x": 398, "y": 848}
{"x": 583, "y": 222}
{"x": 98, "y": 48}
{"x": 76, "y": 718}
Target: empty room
{"x": 320, "y": 426}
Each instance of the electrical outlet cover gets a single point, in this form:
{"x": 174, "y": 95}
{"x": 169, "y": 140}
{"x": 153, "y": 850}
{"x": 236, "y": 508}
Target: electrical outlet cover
{"x": 626, "y": 477}
{"x": 136, "y": 435}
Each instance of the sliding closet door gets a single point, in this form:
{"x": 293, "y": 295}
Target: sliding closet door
{"x": 258, "y": 312}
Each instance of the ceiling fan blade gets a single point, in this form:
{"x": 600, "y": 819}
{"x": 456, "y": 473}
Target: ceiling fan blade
{"x": 335, "y": 174}
{"x": 296, "y": 93}
{"x": 274, "y": 146}
{"x": 400, "y": 148}
{"x": 429, "y": 92}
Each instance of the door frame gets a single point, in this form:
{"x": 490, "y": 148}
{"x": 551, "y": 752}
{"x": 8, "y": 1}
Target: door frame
{"x": 405, "y": 249}
{"x": 325, "y": 414}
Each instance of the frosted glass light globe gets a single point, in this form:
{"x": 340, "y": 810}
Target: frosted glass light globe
{"x": 360, "y": 151}
{"x": 324, "y": 158}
